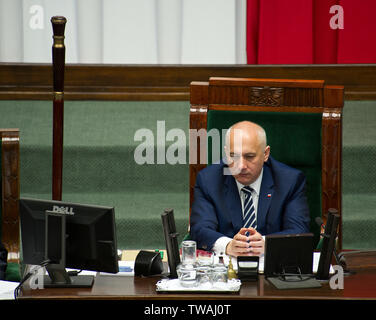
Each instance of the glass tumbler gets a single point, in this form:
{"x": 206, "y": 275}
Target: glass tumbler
{"x": 205, "y": 258}
{"x": 204, "y": 276}
{"x": 187, "y": 275}
{"x": 188, "y": 252}
{"x": 219, "y": 276}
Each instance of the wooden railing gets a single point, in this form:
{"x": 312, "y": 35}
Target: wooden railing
{"x": 167, "y": 82}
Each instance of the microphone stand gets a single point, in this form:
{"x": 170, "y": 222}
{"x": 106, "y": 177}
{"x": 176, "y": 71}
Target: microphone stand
{"x": 340, "y": 260}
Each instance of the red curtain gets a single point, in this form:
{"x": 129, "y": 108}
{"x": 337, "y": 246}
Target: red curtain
{"x": 299, "y": 32}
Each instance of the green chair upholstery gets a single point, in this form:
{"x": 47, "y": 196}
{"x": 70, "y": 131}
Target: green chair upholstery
{"x": 302, "y": 120}
{"x": 13, "y": 272}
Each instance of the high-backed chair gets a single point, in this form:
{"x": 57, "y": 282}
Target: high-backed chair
{"x": 303, "y": 123}
{"x": 10, "y": 193}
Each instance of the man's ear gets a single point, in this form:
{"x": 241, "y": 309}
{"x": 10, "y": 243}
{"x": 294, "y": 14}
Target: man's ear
{"x": 227, "y": 157}
{"x": 266, "y": 153}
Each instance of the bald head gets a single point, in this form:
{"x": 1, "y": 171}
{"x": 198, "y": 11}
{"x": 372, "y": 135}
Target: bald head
{"x": 247, "y": 128}
{"x": 246, "y": 151}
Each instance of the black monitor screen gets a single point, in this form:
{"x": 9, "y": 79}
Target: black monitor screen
{"x": 90, "y": 235}
{"x": 290, "y": 253}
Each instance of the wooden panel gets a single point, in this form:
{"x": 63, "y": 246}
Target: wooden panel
{"x": 228, "y": 95}
{"x": 333, "y": 96}
{"x": 360, "y": 259}
{"x": 265, "y": 96}
{"x": 10, "y": 191}
{"x": 168, "y": 82}
{"x": 199, "y": 93}
{"x": 255, "y": 82}
{"x": 266, "y": 108}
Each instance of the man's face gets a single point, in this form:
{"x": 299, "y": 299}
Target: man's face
{"x": 246, "y": 156}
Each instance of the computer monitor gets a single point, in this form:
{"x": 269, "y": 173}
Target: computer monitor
{"x": 288, "y": 254}
{"x": 172, "y": 247}
{"x": 68, "y": 235}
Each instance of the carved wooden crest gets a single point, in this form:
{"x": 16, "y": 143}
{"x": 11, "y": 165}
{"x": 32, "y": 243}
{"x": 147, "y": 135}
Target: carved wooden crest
{"x": 266, "y": 96}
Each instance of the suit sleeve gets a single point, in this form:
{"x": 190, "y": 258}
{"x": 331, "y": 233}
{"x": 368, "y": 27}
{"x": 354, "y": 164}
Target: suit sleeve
{"x": 296, "y": 217}
{"x": 203, "y": 220}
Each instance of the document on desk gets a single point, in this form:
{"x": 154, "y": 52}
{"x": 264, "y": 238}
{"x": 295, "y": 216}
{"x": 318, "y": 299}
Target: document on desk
{"x": 7, "y": 290}
{"x": 126, "y": 268}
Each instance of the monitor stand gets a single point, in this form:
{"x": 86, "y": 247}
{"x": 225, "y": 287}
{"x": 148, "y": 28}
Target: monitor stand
{"x": 58, "y": 277}
{"x": 294, "y": 280}
{"x": 55, "y": 246}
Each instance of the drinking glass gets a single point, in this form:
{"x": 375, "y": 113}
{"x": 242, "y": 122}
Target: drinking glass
{"x": 205, "y": 258}
{"x": 187, "y": 275}
{"x": 188, "y": 252}
{"x": 219, "y": 276}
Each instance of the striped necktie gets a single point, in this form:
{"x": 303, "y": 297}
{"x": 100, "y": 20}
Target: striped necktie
{"x": 249, "y": 215}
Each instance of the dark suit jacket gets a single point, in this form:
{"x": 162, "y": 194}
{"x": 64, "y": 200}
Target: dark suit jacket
{"x": 217, "y": 211}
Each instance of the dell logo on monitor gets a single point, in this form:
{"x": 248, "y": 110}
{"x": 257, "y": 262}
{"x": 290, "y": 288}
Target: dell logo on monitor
{"x": 64, "y": 210}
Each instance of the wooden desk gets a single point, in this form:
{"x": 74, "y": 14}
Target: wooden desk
{"x": 358, "y": 286}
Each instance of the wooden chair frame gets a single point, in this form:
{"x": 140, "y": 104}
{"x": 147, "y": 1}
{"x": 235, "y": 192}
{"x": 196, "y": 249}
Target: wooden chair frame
{"x": 10, "y": 173}
{"x": 281, "y": 95}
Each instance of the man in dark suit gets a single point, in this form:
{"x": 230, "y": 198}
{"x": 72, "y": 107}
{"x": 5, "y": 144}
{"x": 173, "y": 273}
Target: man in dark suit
{"x": 236, "y": 205}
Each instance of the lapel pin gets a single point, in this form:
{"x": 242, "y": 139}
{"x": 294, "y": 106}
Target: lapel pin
{"x": 269, "y": 195}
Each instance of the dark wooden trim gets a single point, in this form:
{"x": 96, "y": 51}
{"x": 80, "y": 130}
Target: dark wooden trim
{"x": 360, "y": 259}
{"x": 57, "y": 149}
{"x": 167, "y": 82}
{"x": 10, "y": 160}
{"x": 197, "y": 160}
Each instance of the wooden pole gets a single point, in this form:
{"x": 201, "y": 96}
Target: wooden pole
{"x": 58, "y": 63}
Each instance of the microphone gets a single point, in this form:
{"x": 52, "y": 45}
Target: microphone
{"x": 340, "y": 259}
{"x": 320, "y": 222}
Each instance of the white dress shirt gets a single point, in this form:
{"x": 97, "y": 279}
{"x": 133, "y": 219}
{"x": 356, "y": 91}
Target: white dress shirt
{"x": 221, "y": 243}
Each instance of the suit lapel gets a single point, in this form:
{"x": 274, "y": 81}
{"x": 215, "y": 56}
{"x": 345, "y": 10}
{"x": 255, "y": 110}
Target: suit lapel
{"x": 265, "y": 197}
{"x": 232, "y": 200}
